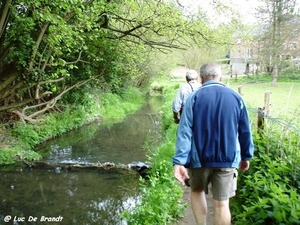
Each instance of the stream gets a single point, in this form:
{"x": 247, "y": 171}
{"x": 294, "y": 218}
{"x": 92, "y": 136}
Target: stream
{"x": 82, "y": 196}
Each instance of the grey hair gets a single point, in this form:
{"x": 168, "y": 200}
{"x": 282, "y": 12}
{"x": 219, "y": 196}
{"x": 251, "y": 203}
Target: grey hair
{"x": 191, "y": 74}
{"x": 212, "y": 70}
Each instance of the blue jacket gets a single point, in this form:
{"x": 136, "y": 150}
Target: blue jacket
{"x": 214, "y": 130}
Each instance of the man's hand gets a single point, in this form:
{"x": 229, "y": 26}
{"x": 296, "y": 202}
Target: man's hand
{"x": 176, "y": 120}
{"x": 180, "y": 173}
{"x": 244, "y": 166}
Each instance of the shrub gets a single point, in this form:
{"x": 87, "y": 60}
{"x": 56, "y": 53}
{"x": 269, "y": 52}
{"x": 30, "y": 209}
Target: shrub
{"x": 269, "y": 191}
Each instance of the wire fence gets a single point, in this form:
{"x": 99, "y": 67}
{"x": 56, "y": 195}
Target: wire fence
{"x": 283, "y": 95}
{"x": 263, "y": 114}
{"x": 285, "y": 124}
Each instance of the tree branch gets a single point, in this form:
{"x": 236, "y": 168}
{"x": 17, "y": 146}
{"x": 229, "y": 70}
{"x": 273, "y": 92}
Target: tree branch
{"x": 47, "y": 105}
{"x": 37, "y": 90}
{"x": 37, "y": 44}
{"x": 4, "y": 15}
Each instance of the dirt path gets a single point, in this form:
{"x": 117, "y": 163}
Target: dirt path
{"x": 188, "y": 218}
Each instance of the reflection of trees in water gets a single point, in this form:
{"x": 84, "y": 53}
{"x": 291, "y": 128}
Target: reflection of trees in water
{"x": 131, "y": 133}
{"x": 134, "y": 130}
{"x": 81, "y": 197}
{"x": 86, "y": 196}
{"x": 110, "y": 210}
{"x": 120, "y": 142}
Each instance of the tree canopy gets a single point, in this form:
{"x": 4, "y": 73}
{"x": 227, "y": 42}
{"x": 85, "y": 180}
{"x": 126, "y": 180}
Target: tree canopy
{"x": 48, "y": 48}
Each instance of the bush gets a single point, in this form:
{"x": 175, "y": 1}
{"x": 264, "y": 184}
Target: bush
{"x": 269, "y": 191}
{"x": 160, "y": 198}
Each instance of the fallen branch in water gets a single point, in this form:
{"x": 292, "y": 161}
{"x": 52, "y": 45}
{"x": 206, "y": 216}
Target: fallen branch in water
{"x": 139, "y": 167}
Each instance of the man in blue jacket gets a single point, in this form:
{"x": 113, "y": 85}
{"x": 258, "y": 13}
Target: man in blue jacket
{"x": 213, "y": 140}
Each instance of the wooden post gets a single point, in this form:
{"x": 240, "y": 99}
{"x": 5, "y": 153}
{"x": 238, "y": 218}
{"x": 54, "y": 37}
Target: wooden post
{"x": 240, "y": 90}
{"x": 260, "y": 121}
{"x": 267, "y": 102}
{"x": 262, "y": 112}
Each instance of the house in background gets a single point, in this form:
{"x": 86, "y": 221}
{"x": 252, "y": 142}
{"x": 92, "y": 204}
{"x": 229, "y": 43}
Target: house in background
{"x": 243, "y": 57}
{"x": 247, "y": 56}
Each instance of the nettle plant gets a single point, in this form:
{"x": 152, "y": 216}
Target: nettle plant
{"x": 269, "y": 192}
{"x": 160, "y": 200}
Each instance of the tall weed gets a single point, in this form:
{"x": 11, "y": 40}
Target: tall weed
{"x": 269, "y": 192}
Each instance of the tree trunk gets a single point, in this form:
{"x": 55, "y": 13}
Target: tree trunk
{"x": 275, "y": 75}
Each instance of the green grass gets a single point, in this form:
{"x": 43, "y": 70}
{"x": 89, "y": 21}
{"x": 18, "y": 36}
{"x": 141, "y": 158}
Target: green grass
{"x": 284, "y": 98}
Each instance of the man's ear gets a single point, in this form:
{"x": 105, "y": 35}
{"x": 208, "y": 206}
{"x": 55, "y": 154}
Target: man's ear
{"x": 221, "y": 79}
{"x": 201, "y": 79}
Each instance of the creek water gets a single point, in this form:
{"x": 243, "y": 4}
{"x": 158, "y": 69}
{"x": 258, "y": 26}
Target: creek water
{"x": 82, "y": 196}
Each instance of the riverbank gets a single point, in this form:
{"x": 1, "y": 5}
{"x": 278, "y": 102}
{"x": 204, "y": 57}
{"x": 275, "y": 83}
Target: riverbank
{"x": 17, "y": 141}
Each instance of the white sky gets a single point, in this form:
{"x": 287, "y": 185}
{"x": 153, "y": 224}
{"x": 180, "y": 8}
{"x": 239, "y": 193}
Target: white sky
{"x": 245, "y": 7}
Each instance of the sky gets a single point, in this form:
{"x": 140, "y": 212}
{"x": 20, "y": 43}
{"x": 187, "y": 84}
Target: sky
{"x": 245, "y": 7}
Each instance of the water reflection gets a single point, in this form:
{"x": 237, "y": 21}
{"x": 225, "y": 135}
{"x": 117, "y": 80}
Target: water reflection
{"x": 79, "y": 197}
{"x": 119, "y": 142}
{"x": 86, "y": 196}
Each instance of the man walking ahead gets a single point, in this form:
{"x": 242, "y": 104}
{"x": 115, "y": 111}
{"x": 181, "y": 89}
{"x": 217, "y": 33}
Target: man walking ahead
{"x": 213, "y": 140}
{"x": 184, "y": 91}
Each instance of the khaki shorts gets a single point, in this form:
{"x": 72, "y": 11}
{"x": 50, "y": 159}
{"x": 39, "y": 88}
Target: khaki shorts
{"x": 223, "y": 181}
